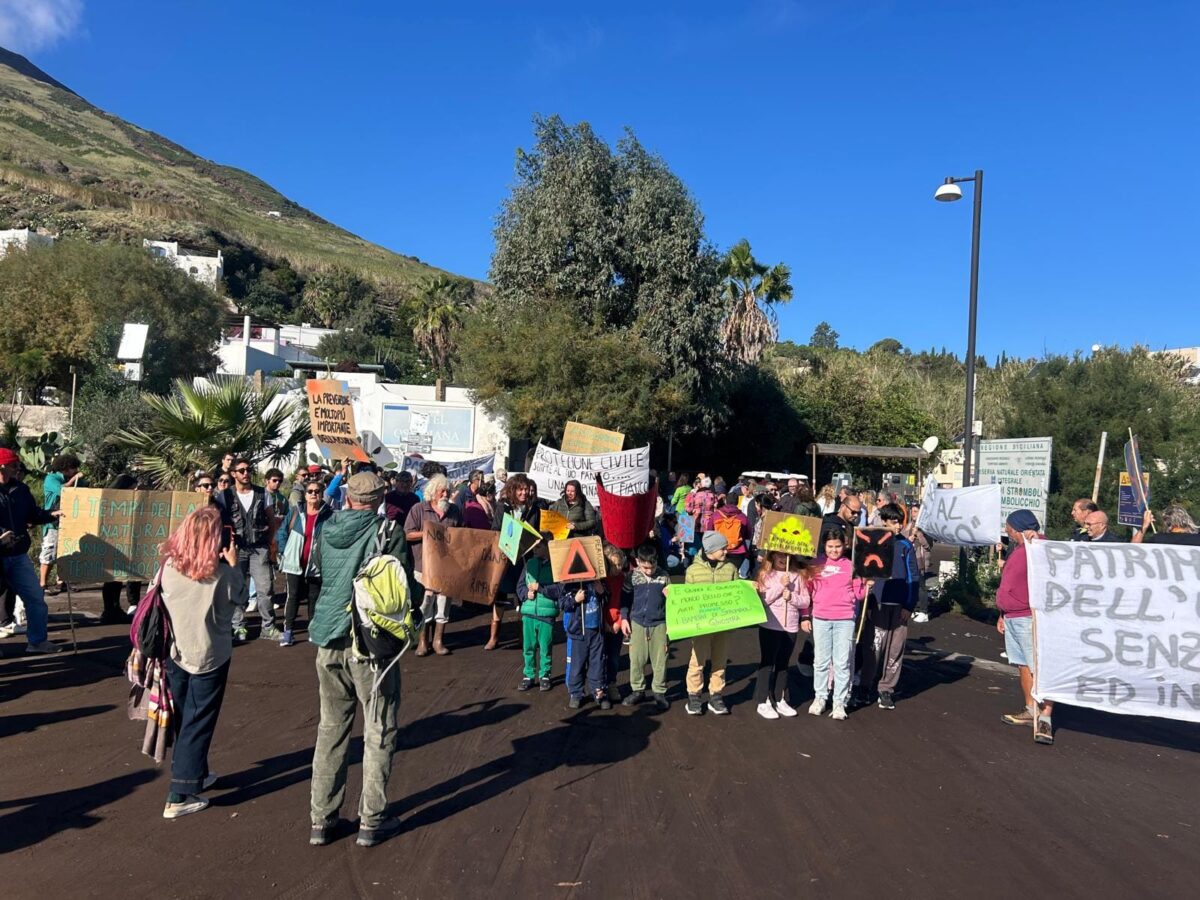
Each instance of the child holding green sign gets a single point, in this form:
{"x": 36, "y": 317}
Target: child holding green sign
{"x": 709, "y": 567}
{"x": 538, "y": 612}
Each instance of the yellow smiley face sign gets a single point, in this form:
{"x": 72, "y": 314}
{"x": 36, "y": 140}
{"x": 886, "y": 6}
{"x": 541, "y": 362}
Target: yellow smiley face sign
{"x": 787, "y": 533}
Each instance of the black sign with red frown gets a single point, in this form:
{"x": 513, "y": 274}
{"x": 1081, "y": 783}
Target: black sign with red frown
{"x": 873, "y": 548}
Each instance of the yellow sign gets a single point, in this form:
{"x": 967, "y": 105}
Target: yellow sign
{"x": 589, "y": 440}
{"x": 792, "y": 534}
{"x": 555, "y": 523}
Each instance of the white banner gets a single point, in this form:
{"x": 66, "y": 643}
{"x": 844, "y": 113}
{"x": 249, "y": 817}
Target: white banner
{"x": 962, "y": 517}
{"x": 625, "y": 473}
{"x": 1117, "y": 626}
{"x": 1022, "y": 469}
{"x": 456, "y": 471}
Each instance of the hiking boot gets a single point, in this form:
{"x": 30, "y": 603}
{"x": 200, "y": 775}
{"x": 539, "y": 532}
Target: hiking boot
{"x": 190, "y": 804}
{"x": 270, "y": 633}
{"x": 661, "y": 703}
{"x": 574, "y": 702}
{"x": 546, "y": 685}
{"x": 369, "y": 837}
{"x": 784, "y": 709}
{"x": 817, "y": 707}
{"x": 886, "y": 701}
{"x": 634, "y": 698}
{"x": 839, "y": 713}
{"x": 717, "y": 705}
{"x": 320, "y": 835}
{"x": 43, "y": 647}
{"x": 525, "y": 685}
{"x": 766, "y": 710}
{"x": 287, "y": 640}
{"x": 695, "y": 706}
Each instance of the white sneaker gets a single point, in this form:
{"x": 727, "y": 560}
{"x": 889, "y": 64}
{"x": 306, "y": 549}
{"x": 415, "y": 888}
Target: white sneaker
{"x": 920, "y": 617}
{"x": 7, "y": 631}
{"x": 784, "y": 709}
{"x": 839, "y": 713}
{"x": 192, "y": 804}
{"x": 767, "y": 711}
{"x": 818, "y": 707}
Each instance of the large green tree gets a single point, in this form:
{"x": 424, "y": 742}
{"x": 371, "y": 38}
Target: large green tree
{"x": 65, "y": 305}
{"x": 609, "y": 243}
{"x": 751, "y": 289}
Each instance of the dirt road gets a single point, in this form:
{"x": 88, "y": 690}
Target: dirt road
{"x": 509, "y": 794}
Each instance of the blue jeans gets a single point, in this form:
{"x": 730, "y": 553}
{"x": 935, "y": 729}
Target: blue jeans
{"x": 833, "y": 642}
{"x": 18, "y": 572}
{"x": 197, "y": 704}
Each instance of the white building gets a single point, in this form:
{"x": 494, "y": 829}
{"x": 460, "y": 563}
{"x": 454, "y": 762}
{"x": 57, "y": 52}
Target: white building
{"x": 248, "y": 348}
{"x": 1189, "y": 354}
{"x": 204, "y": 269}
{"x": 460, "y": 429}
{"x": 23, "y": 239}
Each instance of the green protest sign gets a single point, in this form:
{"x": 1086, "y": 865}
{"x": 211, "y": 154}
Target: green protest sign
{"x": 516, "y": 537}
{"x": 695, "y": 609}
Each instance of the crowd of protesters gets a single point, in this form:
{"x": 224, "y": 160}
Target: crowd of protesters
{"x": 311, "y": 537}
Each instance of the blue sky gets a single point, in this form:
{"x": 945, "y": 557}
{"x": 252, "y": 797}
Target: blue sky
{"x": 817, "y": 130}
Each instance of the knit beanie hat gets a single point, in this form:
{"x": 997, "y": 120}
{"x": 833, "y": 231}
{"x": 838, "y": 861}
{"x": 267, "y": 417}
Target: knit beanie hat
{"x": 713, "y": 541}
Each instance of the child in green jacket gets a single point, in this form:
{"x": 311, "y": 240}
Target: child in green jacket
{"x": 538, "y": 613}
{"x": 710, "y": 567}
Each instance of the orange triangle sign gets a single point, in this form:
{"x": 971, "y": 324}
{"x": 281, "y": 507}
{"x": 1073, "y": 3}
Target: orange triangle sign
{"x": 576, "y": 563}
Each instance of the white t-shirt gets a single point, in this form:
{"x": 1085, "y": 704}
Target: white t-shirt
{"x": 245, "y": 499}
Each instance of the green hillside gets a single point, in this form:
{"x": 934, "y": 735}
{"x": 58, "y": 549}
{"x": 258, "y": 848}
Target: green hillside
{"x": 74, "y": 169}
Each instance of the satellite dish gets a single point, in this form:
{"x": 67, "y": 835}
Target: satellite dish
{"x": 930, "y": 444}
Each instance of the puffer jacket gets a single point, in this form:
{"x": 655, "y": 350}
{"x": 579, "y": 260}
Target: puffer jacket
{"x": 786, "y": 598}
{"x": 541, "y": 607}
{"x": 344, "y": 544}
{"x": 706, "y": 571}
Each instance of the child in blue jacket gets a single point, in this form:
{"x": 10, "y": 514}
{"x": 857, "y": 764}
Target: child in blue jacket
{"x": 644, "y": 619}
{"x": 582, "y": 603}
{"x": 895, "y": 597}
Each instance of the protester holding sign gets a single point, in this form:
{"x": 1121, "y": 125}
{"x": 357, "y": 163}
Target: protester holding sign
{"x": 1180, "y": 529}
{"x": 577, "y": 510}
{"x": 895, "y": 599}
{"x": 303, "y": 527}
{"x": 783, "y": 586}
{"x": 538, "y": 612}
{"x": 709, "y": 567}
{"x": 1016, "y": 621}
{"x": 584, "y": 600}
{"x": 436, "y": 608}
{"x": 836, "y": 594}
{"x": 18, "y": 513}
{"x": 516, "y": 501}
{"x": 64, "y": 472}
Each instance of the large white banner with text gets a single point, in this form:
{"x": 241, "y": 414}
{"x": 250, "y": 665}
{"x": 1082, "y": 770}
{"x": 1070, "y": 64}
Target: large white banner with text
{"x": 1117, "y": 626}
{"x": 962, "y": 517}
{"x": 626, "y": 472}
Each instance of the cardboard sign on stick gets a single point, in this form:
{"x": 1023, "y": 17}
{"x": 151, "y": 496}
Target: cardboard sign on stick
{"x": 695, "y": 609}
{"x": 555, "y": 523}
{"x": 462, "y": 563}
{"x": 577, "y": 559}
{"x": 331, "y": 419}
{"x": 111, "y": 535}
{"x": 580, "y": 438}
{"x": 873, "y": 549}
{"x": 1130, "y": 511}
{"x": 790, "y": 533}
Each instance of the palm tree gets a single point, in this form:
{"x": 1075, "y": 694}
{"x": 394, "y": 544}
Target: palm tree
{"x": 193, "y": 426}
{"x": 751, "y": 289}
{"x": 437, "y": 317}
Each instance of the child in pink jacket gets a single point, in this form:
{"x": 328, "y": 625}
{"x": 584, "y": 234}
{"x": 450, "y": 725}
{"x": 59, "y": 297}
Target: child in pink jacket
{"x": 783, "y": 586}
{"x": 836, "y": 594}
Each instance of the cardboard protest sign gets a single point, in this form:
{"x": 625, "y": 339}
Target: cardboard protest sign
{"x": 110, "y": 535}
{"x": 685, "y": 528}
{"x": 790, "y": 533}
{"x": 331, "y": 419}
{"x": 555, "y": 523}
{"x": 1137, "y": 471}
{"x": 1117, "y": 626}
{"x": 627, "y": 520}
{"x": 695, "y": 609}
{"x": 463, "y": 563}
{"x": 625, "y": 473}
{"x": 873, "y": 549}
{"x": 577, "y": 559}
{"x": 1129, "y": 510}
{"x": 517, "y": 538}
{"x": 580, "y": 438}
{"x": 961, "y": 517}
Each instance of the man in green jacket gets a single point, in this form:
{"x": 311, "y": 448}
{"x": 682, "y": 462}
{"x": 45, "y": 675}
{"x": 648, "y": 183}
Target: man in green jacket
{"x": 344, "y": 679}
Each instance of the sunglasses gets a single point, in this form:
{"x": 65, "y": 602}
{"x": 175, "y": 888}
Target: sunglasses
{"x": 205, "y": 485}
{"x": 242, "y": 471}
{"x": 316, "y": 493}
{"x": 222, "y": 481}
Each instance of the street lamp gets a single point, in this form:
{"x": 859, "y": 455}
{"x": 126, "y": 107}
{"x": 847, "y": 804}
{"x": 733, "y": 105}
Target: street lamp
{"x": 948, "y": 192}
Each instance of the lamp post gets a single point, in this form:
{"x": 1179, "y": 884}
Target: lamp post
{"x": 948, "y": 192}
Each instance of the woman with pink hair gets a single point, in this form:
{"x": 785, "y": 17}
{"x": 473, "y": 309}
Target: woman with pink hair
{"x": 201, "y": 583}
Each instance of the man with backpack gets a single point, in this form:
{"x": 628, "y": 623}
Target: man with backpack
{"x": 349, "y": 671}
